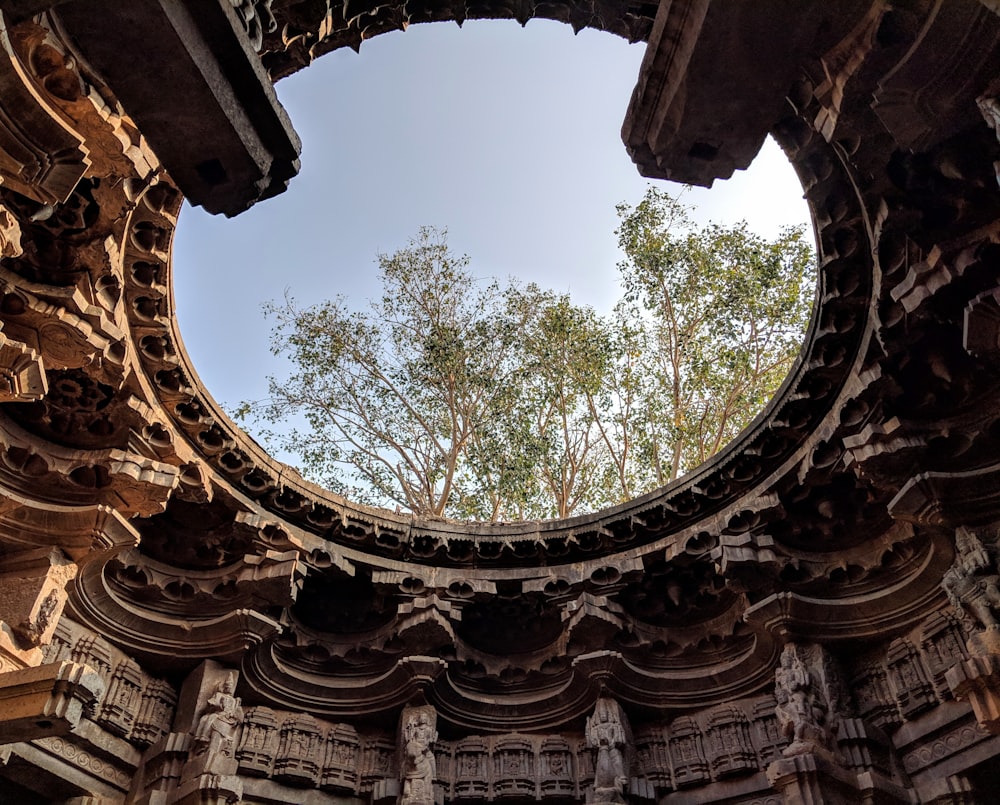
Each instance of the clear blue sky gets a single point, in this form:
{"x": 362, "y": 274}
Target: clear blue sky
{"x": 508, "y": 137}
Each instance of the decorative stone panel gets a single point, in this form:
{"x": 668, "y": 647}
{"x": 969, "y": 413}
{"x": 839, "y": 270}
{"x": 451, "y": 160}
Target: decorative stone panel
{"x": 123, "y": 699}
{"x": 513, "y": 768}
{"x": 914, "y": 693}
{"x": 728, "y": 742}
{"x": 555, "y": 768}
{"x": 687, "y": 753}
{"x": 258, "y": 743}
{"x": 471, "y": 780}
{"x": 340, "y": 761}
{"x": 298, "y": 758}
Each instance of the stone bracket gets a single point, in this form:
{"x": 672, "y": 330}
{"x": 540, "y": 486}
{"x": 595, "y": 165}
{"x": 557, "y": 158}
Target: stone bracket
{"x": 978, "y": 680}
{"x": 46, "y": 700}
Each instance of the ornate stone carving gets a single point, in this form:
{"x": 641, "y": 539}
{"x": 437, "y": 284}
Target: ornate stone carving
{"x": 376, "y": 761}
{"x": 41, "y": 156}
{"x": 258, "y": 742}
{"x": 873, "y": 696}
{"x": 973, "y": 587}
{"x": 514, "y": 767}
{"x": 808, "y": 708}
{"x": 418, "y": 767}
{"x": 786, "y": 534}
{"x": 156, "y": 709}
{"x": 728, "y": 741}
{"x": 22, "y": 372}
{"x": 340, "y": 763}
{"x": 121, "y": 704}
{"x": 46, "y": 700}
{"x": 608, "y": 733}
{"x": 556, "y": 768}
{"x": 33, "y": 585}
{"x": 10, "y": 234}
{"x": 471, "y": 781}
{"x": 257, "y": 19}
{"x": 767, "y": 731}
{"x": 218, "y": 725}
{"x": 687, "y": 752}
{"x": 298, "y": 750}
{"x": 652, "y": 756}
{"x": 989, "y": 108}
{"x": 943, "y": 645}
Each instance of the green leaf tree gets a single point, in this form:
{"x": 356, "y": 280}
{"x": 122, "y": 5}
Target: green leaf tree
{"x": 453, "y": 396}
{"x": 391, "y": 396}
{"x": 725, "y": 312}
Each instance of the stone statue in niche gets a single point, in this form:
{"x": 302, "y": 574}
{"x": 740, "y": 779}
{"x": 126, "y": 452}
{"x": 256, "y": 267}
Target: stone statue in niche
{"x": 607, "y": 732}
{"x": 215, "y": 735}
{"x": 973, "y": 587}
{"x": 418, "y": 764}
{"x": 805, "y": 686}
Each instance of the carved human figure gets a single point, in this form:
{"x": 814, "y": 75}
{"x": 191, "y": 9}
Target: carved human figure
{"x": 802, "y": 713}
{"x": 419, "y": 765}
{"x": 971, "y": 583}
{"x": 606, "y": 732}
{"x": 215, "y": 734}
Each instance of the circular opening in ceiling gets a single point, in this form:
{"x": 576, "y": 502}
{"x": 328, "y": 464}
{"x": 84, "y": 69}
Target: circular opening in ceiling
{"x": 519, "y": 157}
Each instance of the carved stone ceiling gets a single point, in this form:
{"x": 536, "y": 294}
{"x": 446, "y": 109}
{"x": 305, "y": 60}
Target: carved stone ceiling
{"x": 827, "y": 519}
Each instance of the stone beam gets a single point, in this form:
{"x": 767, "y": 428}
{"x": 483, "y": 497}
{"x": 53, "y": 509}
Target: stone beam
{"x": 46, "y": 700}
{"x": 186, "y": 72}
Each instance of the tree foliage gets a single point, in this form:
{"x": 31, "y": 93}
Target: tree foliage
{"x": 452, "y": 396}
